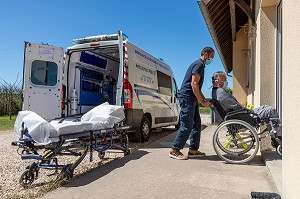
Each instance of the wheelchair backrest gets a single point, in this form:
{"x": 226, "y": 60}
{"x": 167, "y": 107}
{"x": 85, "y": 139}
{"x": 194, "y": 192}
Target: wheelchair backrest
{"x": 219, "y": 109}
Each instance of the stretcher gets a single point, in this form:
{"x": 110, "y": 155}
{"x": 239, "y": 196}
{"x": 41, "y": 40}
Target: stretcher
{"x": 101, "y": 129}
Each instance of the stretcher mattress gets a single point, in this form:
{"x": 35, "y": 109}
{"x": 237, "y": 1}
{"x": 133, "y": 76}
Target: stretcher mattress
{"x": 101, "y": 117}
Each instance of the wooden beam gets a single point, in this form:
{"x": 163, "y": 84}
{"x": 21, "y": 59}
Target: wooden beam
{"x": 232, "y": 19}
{"x": 246, "y": 9}
{"x": 253, "y": 12}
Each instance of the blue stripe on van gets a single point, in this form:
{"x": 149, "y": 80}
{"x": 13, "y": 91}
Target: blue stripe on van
{"x": 143, "y": 92}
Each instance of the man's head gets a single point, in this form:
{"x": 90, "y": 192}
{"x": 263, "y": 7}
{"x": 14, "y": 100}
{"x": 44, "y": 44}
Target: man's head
{"x": 207, "y": 55}
{"x": 219, "y": 79}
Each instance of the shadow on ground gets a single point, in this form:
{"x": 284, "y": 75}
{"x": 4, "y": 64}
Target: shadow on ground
{"x": 95, "y": 174}
{"x": 166, "y": 142}
{"x": 99, "y": 172}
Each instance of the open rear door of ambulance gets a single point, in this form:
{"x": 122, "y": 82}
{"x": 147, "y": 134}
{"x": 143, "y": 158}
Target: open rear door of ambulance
{"x": 42, "y": 80}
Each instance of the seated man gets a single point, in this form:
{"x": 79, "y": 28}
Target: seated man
{"x": 230, "y": 103}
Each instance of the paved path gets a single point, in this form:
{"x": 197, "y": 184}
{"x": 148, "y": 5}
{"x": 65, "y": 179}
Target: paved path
{"x": 150, "y": 173}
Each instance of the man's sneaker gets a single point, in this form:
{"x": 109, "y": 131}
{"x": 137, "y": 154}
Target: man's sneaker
{"x": 177, "y": 155}
{"x": 195, "y": 153}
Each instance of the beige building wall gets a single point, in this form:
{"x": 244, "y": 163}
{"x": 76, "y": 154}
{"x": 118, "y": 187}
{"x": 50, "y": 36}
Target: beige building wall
{"x": 290, "y": 99}
{"x": 256, "y": 53}
{"x": 267, "y": 64}
{"x": 264, "y": 70}
{"x": 240, "y": 59}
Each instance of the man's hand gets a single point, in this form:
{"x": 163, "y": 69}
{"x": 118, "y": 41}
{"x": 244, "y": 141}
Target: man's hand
{"x": 206, "y": 103}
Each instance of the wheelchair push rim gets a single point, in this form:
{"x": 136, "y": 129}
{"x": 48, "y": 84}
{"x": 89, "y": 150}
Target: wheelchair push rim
{"x": 236, "y": 141}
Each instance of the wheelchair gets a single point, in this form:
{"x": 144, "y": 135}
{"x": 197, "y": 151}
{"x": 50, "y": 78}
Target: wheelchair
{"x": 236, "y": 139}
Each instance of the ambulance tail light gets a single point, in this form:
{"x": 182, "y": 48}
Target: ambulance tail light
{"x": 127, "y": 94}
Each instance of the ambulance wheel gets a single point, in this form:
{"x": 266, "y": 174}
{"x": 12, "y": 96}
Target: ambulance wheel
{"x": 177, "y": 126}
{"x": 145, "y": 129}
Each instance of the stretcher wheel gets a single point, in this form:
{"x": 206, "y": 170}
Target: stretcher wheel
{"x": 101, "y": 155}
{"x": 26, "y": 178}
{"x": 65, "y": 174}
{"x": 125, "y": 141}
{"x": 127, "y": 152}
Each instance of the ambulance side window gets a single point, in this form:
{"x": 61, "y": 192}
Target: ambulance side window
{"x": 164, "y": 83}
{"x": 44, "y": 73}
{"x": 175, "y": 88}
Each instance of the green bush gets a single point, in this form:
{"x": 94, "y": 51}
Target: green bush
{"x": 204, "y": 110}
{"x": 10, "y": 98}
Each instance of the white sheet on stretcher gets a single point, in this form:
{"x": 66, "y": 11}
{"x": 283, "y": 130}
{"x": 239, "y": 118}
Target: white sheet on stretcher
{"x": 101, "y": 117}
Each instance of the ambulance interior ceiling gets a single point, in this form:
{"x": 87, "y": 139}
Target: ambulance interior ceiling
{"x": 93, "y": 58}
{"x": 111, "y": 53}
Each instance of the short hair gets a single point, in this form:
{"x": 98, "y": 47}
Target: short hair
{"x": 217, "y": 75}
{"x": 207, "y": 50}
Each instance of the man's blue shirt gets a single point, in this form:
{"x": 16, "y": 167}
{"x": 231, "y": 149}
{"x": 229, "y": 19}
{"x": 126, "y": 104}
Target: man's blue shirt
{"x": 197, "y": 67}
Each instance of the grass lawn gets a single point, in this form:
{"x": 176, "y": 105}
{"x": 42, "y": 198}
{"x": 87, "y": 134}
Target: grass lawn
{"x": 6, "y": 123}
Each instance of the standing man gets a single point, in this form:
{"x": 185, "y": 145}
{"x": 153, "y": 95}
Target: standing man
{"x": 189, "y": 95}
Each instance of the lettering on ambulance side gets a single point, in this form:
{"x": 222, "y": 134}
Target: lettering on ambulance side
{"x": 156, "y": 62}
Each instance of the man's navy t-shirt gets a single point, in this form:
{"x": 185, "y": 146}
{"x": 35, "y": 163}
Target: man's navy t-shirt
{"x": 197, "y": 67}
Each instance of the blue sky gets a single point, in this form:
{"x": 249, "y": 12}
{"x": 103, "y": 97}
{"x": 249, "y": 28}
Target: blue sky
{"x": 172, "y": 30}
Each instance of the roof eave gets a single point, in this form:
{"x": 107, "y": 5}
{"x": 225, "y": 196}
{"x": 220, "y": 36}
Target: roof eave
{"x": 212, "y": 32}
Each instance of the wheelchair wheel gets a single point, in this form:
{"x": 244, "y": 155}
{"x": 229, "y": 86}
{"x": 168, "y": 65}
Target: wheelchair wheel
{"x": 279, "y": 150}
{"x": 235, "y": 141}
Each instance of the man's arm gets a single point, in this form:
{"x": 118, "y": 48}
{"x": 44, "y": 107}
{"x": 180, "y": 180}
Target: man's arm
{"x": 198, "y": 93}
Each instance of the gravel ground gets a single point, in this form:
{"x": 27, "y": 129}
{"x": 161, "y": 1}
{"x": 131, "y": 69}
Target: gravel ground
{"x": 11, "y": 165}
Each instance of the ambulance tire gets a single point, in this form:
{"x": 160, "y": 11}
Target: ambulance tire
{"x": 136, "y": 136}
{"x": 145, "y": 129}
{"x": 141, "y": 134}
{"x": 177, "y": 126}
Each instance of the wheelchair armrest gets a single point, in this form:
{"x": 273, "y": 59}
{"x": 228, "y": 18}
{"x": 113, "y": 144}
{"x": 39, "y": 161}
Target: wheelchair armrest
{"x": 241, "y": 111}
{"x": 244, "y": 115}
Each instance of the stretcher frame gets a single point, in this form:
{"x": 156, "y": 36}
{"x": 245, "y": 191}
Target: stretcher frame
{"x": 101, "y": 140}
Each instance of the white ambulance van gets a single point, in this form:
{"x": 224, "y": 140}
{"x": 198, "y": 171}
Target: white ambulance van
{"x": 98, "y": 69}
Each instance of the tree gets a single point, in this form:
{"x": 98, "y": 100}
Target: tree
{"x": 10, "y": 97}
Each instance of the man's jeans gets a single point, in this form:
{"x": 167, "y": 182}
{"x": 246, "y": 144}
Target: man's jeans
{"x": 190, "y": 124}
